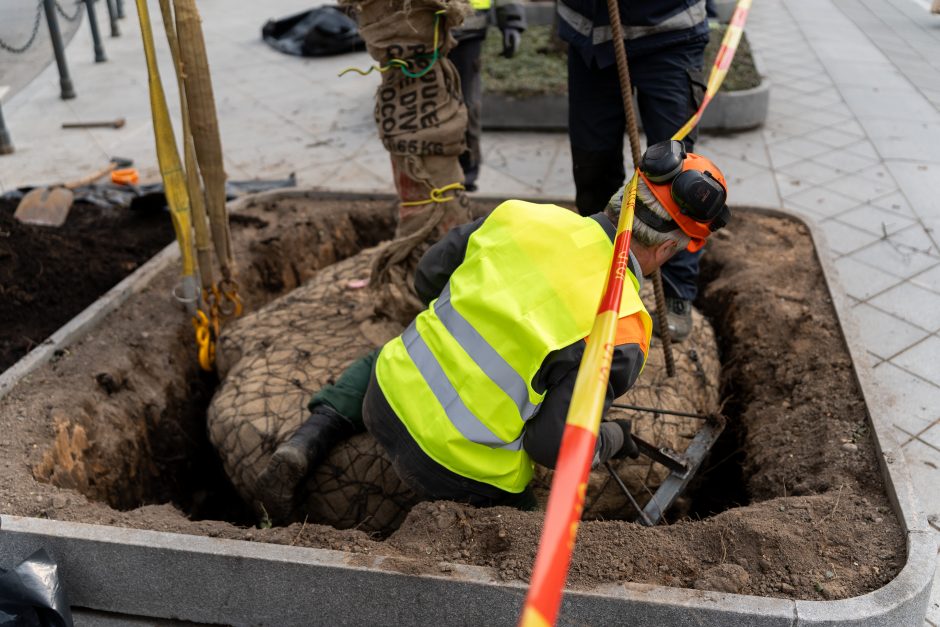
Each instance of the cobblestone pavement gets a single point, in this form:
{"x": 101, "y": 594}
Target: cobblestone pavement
{"x": 852, "y": 142}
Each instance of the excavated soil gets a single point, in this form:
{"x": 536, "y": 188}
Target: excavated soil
{"x": 113, "y": 432}
{"x": 48, "y": 275}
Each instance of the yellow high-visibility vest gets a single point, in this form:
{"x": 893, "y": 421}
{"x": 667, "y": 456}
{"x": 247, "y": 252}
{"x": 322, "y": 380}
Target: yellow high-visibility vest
{"x": 481, "y": 5}
{"x": 460, "y": 376}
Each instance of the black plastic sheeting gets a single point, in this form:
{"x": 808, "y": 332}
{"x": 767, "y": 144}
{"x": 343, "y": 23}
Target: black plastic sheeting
{"x": 319, "y": 32}
{"x": 151, "y": 197}
{"x": 31, "y": 595}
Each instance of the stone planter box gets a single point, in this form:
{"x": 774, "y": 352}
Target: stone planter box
{"x": 141, "y": 573}
{"x": 729, "y": 111}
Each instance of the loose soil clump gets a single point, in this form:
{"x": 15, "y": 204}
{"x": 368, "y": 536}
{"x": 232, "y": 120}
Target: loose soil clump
{"x": 48, "y": 275}
{"x": 113, "y": 432}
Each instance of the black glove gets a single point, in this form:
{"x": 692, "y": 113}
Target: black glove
{"x": 628, "y": 449}
{"x": 511, "y": 39}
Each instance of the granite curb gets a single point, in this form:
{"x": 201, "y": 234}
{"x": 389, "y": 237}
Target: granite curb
{"x": 194, "y": 578}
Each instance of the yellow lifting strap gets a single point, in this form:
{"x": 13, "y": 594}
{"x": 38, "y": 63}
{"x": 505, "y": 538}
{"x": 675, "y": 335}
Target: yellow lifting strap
{"x": 221, "y": 300}
{"x": 193, "y": 183}
{"x": 171, "y": 170}
{"x": 436, "y": 195}
{"x": 184, "y": 188}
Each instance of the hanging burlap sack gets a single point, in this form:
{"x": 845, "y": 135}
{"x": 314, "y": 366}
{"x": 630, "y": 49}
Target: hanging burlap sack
{"x": 422, "y": 121}
{"x": 401, "y": 29}
{"x": 422, "y": 117}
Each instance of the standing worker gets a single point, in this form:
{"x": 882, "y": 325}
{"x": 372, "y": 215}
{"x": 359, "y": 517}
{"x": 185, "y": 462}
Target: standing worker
{"x": 466, "y": 57}
{"x": 477, "y": 388}
{"x": 665, "y": 43}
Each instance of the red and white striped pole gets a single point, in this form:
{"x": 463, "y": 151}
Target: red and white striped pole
{"x": 569, "y": 485}
{"x": 566, "y": 500}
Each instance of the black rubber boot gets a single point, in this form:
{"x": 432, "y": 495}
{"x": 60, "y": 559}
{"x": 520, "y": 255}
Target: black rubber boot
{"x": 679, "y": 316}
{"x": 300, "y": 454}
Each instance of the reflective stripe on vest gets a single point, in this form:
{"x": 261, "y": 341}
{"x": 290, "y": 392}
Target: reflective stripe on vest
{"x": 461, "y": 417}
{"x": 601, "y": 34}
{"x": 481, "y": 5}
{"x": 460, "y": 377}
{"x": 485, "y": 356}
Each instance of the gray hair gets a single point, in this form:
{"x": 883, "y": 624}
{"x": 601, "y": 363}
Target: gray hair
{"x": 642, "y": 232}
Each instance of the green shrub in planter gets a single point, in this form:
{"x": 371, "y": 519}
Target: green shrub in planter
{"x": 538, "y": 69}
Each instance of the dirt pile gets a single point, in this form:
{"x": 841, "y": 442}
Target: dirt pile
{"x": 818, "y": 524}
{"x": 48, "y": 275}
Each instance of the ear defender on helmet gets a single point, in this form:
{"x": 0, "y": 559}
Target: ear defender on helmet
{"x": 663, "y": 160}
{"x": 690, "y": 188}
{"x": 699, "y": 195}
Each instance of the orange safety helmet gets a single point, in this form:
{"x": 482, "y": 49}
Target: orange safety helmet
{"x": 690, "y": 187}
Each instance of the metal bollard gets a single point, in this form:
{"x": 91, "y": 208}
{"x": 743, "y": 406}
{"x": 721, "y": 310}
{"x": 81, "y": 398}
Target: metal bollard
{"x": 95, "y": 35}
{"x": 6, "y": 143}
{"x": 113, "y": 16}
{"x": 120, "y": 9}
{"x": 67, "y": 91}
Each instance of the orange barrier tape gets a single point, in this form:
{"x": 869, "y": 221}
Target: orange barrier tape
{"x": 729, "y": 45}
{"x": 566, "y": 500}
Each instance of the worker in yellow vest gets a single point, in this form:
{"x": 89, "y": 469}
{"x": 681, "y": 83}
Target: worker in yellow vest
{"x": 477, "y": 388}
{"x": 466, "y": 57}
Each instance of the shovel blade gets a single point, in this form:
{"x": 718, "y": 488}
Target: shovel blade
{"x": 44, "y": 206}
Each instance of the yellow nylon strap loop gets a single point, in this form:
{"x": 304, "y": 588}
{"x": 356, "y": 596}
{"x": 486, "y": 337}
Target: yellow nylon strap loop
{"x": 436, "y": 195}
{"x": 171, "y": 168}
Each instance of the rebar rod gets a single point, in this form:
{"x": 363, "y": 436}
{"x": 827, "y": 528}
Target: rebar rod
{"x": 633, "y": 131}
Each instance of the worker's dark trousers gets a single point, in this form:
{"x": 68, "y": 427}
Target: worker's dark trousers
{"x": 466, "y": 57}
{"x": 358, "y": 397}
{"x": 669, "y": 87}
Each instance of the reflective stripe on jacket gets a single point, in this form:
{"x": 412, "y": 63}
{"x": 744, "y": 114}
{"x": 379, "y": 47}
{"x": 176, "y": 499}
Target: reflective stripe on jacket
{"x": 647, "y": 25}
{"x": 460, "y": 377}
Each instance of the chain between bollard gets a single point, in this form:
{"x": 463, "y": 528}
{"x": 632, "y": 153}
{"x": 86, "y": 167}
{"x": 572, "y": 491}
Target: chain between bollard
{"x": 32, "y": 36}
{"x": 66, "y": 16}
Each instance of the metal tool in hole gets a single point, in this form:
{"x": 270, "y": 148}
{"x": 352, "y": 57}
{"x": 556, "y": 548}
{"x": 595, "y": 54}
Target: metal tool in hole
{"x": 682, "y": 466}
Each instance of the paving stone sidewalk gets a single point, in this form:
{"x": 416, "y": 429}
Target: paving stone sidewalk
{"x": 852, "y": 142}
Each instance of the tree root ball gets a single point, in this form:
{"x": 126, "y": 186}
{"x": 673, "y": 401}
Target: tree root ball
{"x": 273, "y": 360}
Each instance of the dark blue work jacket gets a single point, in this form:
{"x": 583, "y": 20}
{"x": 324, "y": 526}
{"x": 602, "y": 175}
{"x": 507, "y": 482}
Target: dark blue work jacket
{"x": 648, "y": 25}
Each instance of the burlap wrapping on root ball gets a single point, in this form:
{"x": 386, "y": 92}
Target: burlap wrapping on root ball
{"x": 391, "y": 279}
{"x": 273, "y": 360}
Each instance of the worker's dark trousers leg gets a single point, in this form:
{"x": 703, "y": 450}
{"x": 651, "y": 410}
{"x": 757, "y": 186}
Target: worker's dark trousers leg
{"x": 357, "y": 396}
{"x": 669, "y": 86}
{"x": 347, "y": 394}
{"x": 420, "y": 472}
{"x": 466, "y": 57}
